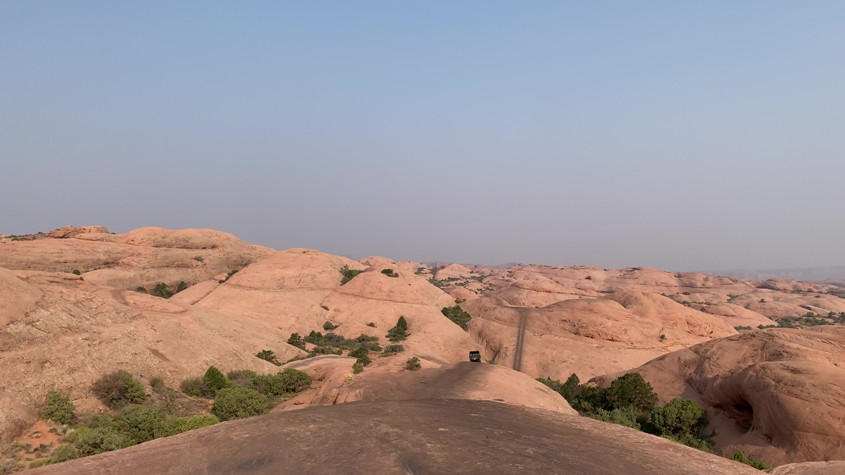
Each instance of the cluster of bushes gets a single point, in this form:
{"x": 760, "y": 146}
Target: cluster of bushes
{"x": 134, "y": 421}
{"x": 245, "y": 393}
{"x": 457, "y": 315}
{"x": 133, "y": 425}
{"x": 809, "y": 319}
{"x": 348, "y": 274}
{"x": 162, "y": 290}
{"x": 334, "y": 344}
{"x": 631, "y": 401}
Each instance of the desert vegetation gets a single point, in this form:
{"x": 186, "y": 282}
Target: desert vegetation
{"x": 137, "y": 417}
{"x": 631, "y": 401}
{"x": 348, "y": 274}
{"x": 457, "y": 316}
{"x": 398, "y": 332}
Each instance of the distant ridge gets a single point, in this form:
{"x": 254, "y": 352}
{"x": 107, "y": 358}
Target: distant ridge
{"x": 811, "y": 274}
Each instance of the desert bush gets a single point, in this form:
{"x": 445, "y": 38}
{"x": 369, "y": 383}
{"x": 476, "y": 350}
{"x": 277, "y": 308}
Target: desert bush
{"x": 357, "y": 367}
{"x": 238, "y": 402}
{"x": 371, "y": 324}
{"x": 214, "y": 380}
{"x": 63, "y": 453}
{"x": 325, "y": 350}
{"x": 631, "y": 390}
{"x": 180, "y": 286}
{"x": 59, "y": 409}
{"x": 294, "y": 380}
{"x": 268, "y": 355}
{"x": 176, "y": 425}
{"x": 138, "y": 423}
{"x": 157, "y": 384}
{"x": 682, "y": 419}
{"x": 141, "y": 289}
{"x": 393, "y": 349}
{"x": 40, "y": 462}
{"x": 296, "y": 340}
{"x": 742, "y": 458}
{"x": 413, "y": 364}
{"x": 348, "y": 274}
{"x": 400, "y": 331}
{"x": 624, "y": 416}
{"x": 554, "y": 384}
{"x": 228, "y": 276}
{"x": 457, "y": 316}
{"x": 91, "y": 441}
{"x": 359, "y": 352}
{"x": 194, "y": 387}
{"x": 389, "y": 273}
{"x": 76, "y": 272}
{"x": 161, "y": 290}
{"x": 118, "y": 389}
{"x": 329, "y": 325}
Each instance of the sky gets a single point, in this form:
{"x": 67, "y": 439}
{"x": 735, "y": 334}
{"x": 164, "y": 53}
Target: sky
{"x": 678, "y": 135}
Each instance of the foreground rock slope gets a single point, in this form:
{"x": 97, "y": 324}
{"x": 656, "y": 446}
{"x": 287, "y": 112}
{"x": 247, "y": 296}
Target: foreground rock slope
{"x": 423, "y": 436}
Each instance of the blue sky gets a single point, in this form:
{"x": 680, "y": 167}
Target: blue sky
{"x": 680, "y": 135}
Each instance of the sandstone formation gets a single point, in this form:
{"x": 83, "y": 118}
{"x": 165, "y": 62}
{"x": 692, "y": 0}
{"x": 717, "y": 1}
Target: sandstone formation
{"x": 777, "y": 395}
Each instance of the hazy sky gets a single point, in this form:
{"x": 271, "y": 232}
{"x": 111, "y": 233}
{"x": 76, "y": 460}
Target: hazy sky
{"x": 682, "y": 135}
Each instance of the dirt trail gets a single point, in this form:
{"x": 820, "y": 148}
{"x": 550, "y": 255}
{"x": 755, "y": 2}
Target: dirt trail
{"x": 520, "y": 341}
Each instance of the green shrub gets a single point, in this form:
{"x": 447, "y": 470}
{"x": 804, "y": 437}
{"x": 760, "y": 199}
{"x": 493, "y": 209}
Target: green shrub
{"x": 194, "y": 387}
{"x": 413, "y": 364}
{"x": 389, "y": 273}
{"x": 683, "y": 419}
{"x": 268, "y": 355}
{"x": 161, "y": 290}
{"x": 294, "y": 380}
{"x": 138, "y": 423}
{"x": 296, "y": 340}
{"x": 457, "y": 316}
{"x": 329, "y": 325}
{"x": 357, "y": 367}
{"x": 392, "y": 350}
{"x": 118, "y": 389}
{"x": 348, "y": 274}
{"x": 554, "y": 384}
{"x": 214, "y": 380}
{"x": 364, "y": 360}
{"x": 742, "y": 458}
{"x": 40, "y": 462}
{"x": 176, "y": 425}
{"x": 91, "y": 441}
{"x": 325, "y": 350}
{"x": 371, "y": 324}
{"x": 238, "y": 402}
{"x": 141, "y": 289}
{"x": 180, "y": 286}
{"x": 59, "y": 409}
{"x": 400, "y": 331}
{"x": 631, "y": 390}
{"x": 625, "y": 416}
{"x": 571, "y": 388}
{"x": 76, "y": 272}
{"x": 63, "y": 453}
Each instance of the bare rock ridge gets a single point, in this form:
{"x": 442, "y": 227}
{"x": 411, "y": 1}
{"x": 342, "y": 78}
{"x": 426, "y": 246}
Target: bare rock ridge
{"x": 70, "y": 311}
